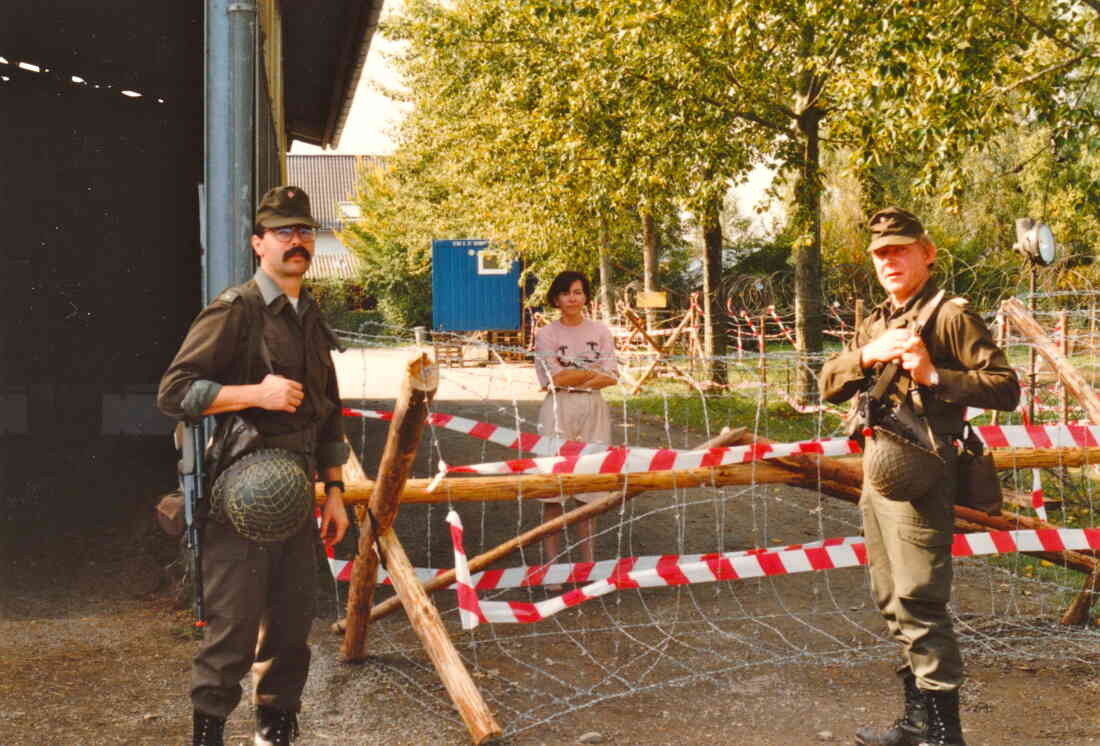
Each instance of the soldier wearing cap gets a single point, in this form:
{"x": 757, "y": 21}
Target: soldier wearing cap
{"x": 260, "y": 596}
{"x": 954, "y": 364}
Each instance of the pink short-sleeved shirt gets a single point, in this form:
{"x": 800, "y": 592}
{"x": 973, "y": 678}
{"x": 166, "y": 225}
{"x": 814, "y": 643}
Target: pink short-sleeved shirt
{"x": 587, "y": 345}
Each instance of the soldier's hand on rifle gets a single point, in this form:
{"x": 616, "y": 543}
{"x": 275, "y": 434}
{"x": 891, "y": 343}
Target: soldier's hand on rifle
{"x": 279, "y": 394}
{"x": 918, "y": 362}
{"x": 886, "y": 348}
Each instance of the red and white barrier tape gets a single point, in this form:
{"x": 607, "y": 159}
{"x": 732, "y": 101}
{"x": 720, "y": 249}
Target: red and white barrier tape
{"x": 673, "y": 571}
{"x": 782, "y": 327}
{"x": 1039, "y": 436}
{"x": 524, "y": 576}
{"x": 1037, "y": 501}
{"x": 624, "y": 460}
{"x": 577, "y": 457}
{"x": 529, "y": 442}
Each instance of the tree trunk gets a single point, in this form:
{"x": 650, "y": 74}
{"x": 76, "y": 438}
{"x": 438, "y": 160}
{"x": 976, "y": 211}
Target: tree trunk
{"x": 605, "y": 274}
{"x": 808, "y": 303}
{"x": 714, "y": 330}
{"x": 649, "y": 261}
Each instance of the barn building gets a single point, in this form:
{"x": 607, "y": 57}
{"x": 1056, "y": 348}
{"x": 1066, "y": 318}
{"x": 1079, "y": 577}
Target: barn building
{"x": 138, "y": 137}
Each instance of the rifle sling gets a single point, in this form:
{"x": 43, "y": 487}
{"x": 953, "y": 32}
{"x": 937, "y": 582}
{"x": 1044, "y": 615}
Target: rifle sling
{"x": 892, "y": 370}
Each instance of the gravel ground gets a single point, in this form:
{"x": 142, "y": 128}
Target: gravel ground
{"x": 93, "y": 649}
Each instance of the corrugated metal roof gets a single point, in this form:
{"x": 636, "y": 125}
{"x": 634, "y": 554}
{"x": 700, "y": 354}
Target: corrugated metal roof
{"x": 333, "y": 267}
{"x": 328, "y": 179}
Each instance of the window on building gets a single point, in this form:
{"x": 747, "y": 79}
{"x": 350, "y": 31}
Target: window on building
{"x": 350, "y": 211}
{"x": 493, "y": 263}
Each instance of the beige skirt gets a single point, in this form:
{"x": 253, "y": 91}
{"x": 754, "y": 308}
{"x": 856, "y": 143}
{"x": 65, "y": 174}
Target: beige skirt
{"x": 572, "y": 415}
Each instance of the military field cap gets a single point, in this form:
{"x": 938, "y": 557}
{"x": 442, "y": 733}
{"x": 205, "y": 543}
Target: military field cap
{"x": 285, "y": 205}
{"x": 894, "y": 227}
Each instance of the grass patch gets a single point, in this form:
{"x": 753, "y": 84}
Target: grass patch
{"x": 686, "y": 407}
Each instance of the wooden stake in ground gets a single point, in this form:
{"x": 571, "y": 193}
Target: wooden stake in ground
{"x": 406, "y": 427}
{"x": 409, "y": 416}
{"x": 428, "y": 625}
{"x": 1075, "y": 383}
{"x": 662, "y": 351}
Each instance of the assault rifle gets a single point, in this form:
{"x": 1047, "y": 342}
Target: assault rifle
{"x": 190, "y": 444}
{"x": 876, "y": 409}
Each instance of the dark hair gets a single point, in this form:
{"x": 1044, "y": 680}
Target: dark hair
{"x": 563, "y": 282}
{"x": 258, "y": 230}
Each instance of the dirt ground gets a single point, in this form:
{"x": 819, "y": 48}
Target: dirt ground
{"x": 93, "y": 649}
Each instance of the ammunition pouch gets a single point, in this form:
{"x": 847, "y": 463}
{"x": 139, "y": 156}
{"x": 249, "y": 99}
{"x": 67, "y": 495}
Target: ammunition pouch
{"x": 979, "y": 486}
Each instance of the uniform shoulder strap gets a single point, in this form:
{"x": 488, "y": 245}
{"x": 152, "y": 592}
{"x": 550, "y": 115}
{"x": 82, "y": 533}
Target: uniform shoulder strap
{"x": 928, "y": 312}
{"x": 253, "y": 337}
{"x": 889, "y": 374}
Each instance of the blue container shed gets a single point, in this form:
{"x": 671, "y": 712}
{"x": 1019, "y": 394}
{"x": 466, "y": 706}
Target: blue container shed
{"x": 474, "y": 287}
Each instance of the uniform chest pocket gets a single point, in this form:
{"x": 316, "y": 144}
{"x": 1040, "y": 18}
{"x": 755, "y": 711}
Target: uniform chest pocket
{"x": 284, "y": 351}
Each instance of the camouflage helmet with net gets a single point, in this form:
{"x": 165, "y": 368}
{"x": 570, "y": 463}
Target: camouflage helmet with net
{"x": 899, "y": 469}
{"x": 265, "y": 495}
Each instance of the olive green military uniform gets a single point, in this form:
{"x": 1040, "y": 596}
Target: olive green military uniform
{"x": 260, "y": 598}
{"x": 909, "y": 543}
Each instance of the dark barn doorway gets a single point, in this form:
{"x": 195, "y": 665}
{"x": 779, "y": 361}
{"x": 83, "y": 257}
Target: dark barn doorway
{"x": 102, "y": 137}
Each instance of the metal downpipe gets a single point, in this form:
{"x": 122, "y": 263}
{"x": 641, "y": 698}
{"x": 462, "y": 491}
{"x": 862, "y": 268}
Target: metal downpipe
{"x": 228, "y": 201}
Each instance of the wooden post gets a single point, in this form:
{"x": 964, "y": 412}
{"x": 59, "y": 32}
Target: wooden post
{"x": 859, "y": 313}
{"x": 1002, "y": 340}
{"x": 353, "y": 472}
{"x": 1073, "y": 380}
{"x": 429, "y": 628}
{"x": 1092, "y": 326}
{"x": 406, "y": 427}
{"x": 409, "y": 416}
{"x": 659, "y": 349}
{"x": 1077, "y": 613}
{"x": 1079, "y": 387}
{"x": 586, "y": 510}
{"x": 1064, "y": 399}
{"x": 763, "y": 343}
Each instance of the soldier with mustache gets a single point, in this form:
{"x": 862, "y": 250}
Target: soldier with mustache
{"x": 280, "y": 379}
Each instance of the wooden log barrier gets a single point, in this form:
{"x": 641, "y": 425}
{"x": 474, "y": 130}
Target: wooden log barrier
{"x": 839, "y": 471}
{"x": 406, "y": 427}
{"x": 1075, "y": 383}
{"x": 587, "y": 510}
{"x": 353, "y": 472}
{"x": 662, "y": 351}
{"x": 842, "y": 477}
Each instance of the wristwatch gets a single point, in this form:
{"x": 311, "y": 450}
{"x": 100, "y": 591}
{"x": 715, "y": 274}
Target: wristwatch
{"x": 335, "y": 483}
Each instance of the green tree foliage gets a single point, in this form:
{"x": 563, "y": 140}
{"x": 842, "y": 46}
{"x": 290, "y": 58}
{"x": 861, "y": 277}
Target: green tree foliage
{"x": 395, "y": 258}
{"x": 552, "y": 127}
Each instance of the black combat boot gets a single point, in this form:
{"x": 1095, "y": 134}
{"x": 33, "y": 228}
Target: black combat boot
{"x": 944, "y": 728}
{"x": 909, "y": 728}
{"x": 206, "y": 730}
{"x": 275, "y": 727}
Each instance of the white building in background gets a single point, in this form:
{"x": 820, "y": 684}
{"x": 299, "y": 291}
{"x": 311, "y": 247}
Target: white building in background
{"x": 329, "y": 179}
